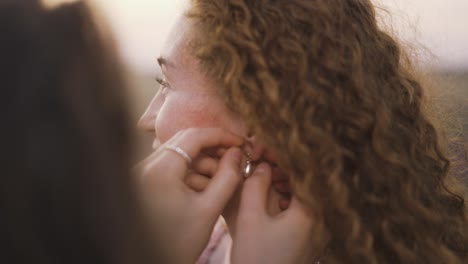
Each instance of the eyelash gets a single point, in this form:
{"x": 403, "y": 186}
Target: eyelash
{"x": 163, "y": 84}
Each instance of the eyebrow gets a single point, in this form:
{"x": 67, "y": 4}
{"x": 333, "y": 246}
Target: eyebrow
{"x": 162, "y": 61}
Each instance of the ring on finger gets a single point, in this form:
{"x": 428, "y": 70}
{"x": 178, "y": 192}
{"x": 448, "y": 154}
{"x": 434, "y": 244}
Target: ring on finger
{"x": 180, "y": 152}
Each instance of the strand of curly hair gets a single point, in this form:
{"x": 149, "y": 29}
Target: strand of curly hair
{"x": 331, "y": 93}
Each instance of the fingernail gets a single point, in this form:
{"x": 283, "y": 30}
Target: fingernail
{"x": 261, "y": 168}
{"x": 236, "y": 155}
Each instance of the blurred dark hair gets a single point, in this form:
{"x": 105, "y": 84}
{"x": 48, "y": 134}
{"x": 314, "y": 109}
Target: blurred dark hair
{"x": 66, "y": 191}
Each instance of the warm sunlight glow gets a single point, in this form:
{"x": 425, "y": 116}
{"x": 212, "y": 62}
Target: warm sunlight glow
{"x": 55, "y": 3}
{"x": 142, "y": 25}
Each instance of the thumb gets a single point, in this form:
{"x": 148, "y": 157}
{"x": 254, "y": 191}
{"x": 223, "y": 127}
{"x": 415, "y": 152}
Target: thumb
{"x": 225, "y": 181}
{"x": 299, "y": 214}
{"x": 255, "y": 191}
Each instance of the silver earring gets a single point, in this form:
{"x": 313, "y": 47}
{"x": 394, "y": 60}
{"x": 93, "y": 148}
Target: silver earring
{"x": 248, "y": 167}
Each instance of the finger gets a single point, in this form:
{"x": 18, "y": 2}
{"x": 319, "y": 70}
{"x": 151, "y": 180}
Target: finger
{"x": 278, "y": 174}
{"x": 172, "y": 163}
{"x": 215, "y": 152}
{"x": 226, "y": 180}
{"x": 284, "y": 203}
{"x": 197, "y": 182}
{"x": 194, "y": 140}
{"x": 205, "y": 165}
{"x": 299, "y": 213}
{"x": 282, "y": 187}
{"x": 151, "y": 170}
{"x": 274, "y": 197}
{"x": 255, "y": 190}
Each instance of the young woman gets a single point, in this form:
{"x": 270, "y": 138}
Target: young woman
{"x": 326, "y": 99}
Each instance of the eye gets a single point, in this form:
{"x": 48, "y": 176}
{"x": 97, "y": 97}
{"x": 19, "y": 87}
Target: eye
{"x": 162, "y": 82}
{"x": 163, "y": 85}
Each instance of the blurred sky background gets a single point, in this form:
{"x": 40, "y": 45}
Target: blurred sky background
{"x": 439, "y": 25}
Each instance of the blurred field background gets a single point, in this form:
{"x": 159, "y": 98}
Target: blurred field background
{"x": 435, "y": 32}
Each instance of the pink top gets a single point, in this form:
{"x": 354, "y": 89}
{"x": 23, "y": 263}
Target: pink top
{"x": 219, "y": 247}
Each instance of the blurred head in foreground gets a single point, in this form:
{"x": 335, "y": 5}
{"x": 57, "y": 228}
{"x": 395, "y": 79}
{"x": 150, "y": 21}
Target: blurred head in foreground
{"x": 66, "y": 192}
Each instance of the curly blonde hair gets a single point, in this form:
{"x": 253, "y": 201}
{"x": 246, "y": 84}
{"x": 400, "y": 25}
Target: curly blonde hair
{"x": 332, "y": 95}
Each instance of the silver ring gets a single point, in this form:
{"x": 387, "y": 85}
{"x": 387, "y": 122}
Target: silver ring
{"x": 181, "y": 152}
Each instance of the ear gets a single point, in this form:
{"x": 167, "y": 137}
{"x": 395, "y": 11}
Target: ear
{"x": 255, "y": 148}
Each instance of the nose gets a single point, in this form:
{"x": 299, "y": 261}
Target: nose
{"x": 148, "y": 119}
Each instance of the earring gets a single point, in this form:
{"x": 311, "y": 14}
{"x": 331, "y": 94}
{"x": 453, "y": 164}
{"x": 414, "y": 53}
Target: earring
{"x": 248, "y": 166}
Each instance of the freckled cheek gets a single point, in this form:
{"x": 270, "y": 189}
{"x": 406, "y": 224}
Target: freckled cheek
{"x": 166, "y": 123}
{"x": 174, "y": 116}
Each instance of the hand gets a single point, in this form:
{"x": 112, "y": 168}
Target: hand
{"x": 264, "y": 238}
{"x": 182, "y": 219}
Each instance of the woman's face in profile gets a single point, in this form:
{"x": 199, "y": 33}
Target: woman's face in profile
{"x": 187, "y": 98}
